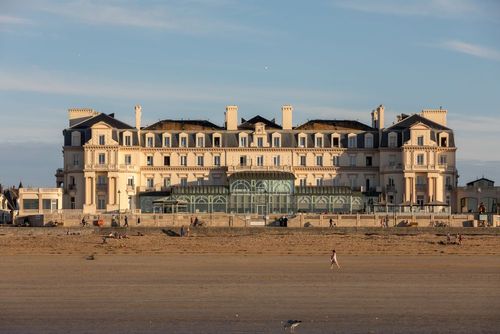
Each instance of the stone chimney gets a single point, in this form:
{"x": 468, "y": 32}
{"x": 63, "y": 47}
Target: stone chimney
{"x": 286, "y": 117}
{"x": 378, "y": 117}
{"x": 231, "y": 118}
{"x": 138, "y": 115}
{"x": 435, "y": 115}
{"x": 78, "y": 115}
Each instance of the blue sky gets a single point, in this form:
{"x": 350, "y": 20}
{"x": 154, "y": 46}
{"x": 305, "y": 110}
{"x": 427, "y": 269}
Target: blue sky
{"x": 189, "y": 59}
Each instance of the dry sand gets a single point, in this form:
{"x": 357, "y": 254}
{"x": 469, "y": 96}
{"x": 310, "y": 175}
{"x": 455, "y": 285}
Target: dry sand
{"x": 247, "y": 284}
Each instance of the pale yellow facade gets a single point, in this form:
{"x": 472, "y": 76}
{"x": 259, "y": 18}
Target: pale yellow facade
{"x": 108, "y": 164}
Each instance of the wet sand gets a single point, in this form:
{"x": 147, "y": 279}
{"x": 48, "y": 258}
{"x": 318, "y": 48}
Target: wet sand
{"x": 231, "y": 293}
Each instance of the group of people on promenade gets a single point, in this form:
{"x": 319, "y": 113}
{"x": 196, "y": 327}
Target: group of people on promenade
{"x": 115, "y": 221}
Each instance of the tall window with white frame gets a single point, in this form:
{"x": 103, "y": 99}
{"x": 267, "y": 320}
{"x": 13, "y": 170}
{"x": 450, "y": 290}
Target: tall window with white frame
{"x": 276, "y": 141}
{"x": 128, "y": 159}
{"x": 420, "y": 140}
{"x": 368, "y": 140}
{"x": 184, "y": 141}
{"x": 302, "y": 182}
{"x": 128, "y": 140}
{"x": 200, "y": 141}
{"x": 150, "y": 141}
{"x": 302, "y": 141}
{"x": 260, "y": 160}
{"x": 319, "y": 160}
{"x": 335, "y": 160}
{"x": 302, "y": 160}
{"x": 319, "y": 141}
{"x": 420, "y": 159}
{"x": 167, "y": 141}
{"x": 166, "y": 160}
{"x": 352, "y": 141}
{"x": 200, "y": 160}
{"x": 260, "y": 142}
{"x": 319, "y": 181}
{"x": 277, "y": 160}
{"x": 76, "y": 159}
{"x": 149, "y": 160}
{"x": 102, "y": 139}
{"x": 243, "y": 141}
{"x": 183, "y": 160}
{"x": 216, "y": 160}
{"x": 442, "y": 159}
{"x": 150, "y": 182}
{"x": 184, "y": 181}
{"x": 166, "y": 181}
{"x": 102, "y": 158}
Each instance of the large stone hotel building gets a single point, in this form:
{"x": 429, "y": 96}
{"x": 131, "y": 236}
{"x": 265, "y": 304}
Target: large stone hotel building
{"x": 257, "y": 165}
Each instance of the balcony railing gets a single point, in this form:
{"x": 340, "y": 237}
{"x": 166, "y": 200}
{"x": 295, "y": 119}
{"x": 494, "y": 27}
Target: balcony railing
{"x": 259, "y": 168}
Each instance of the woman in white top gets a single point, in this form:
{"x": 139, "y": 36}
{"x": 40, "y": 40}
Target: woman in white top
{"x": 333, "y": 260}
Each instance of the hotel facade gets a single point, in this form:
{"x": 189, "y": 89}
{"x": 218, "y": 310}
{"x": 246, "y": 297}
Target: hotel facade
{"x": 256, "y": 166}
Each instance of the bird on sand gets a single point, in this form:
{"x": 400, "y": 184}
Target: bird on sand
{"x": 291, "y": 324}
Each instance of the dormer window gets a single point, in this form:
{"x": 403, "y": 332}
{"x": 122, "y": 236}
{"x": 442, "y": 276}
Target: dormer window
{"x": 368, "y": 140}
{"x": 243, "y": 139}
{"x": 443, "y": 139}
{"x": 318, "y": 140}
{"x": 393, "y": 140}
{"x": 75, "y": 138}
{"x": 167, "y": 140}
{"x": 150, "y": 141}
{"x": 260, "y": 142}
{"x": 183, "y": 140}
{"x": 102, "y": 139}
{"x": 335, "y": 140}
{"x": 420, "y": 140}
{"x": 276, "y": 140}
{"x": 352, "y": 141}
{"x": 217, "y": 140}
{"x": 128, "y": 140}
{"x": 302, "y": 140}
{"x": 200, "y": 140}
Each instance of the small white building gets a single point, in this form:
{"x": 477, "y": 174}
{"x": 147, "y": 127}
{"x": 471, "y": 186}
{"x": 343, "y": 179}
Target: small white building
{"x": 33, "y": 201}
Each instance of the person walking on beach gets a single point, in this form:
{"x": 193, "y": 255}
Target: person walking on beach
{"x": 125, "y": 224}
{"x": 459, "y": 239}
{"x": 448, "y": 238}
{"x": 333, "y": 260}
{"x": 331, "y": 222}
{"x": 138, "y": 220}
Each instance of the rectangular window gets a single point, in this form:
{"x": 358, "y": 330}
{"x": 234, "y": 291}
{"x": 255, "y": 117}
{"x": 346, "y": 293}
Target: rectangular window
{"x": 243, "y": 160}
{"x": 217, "y": 141}
{"x": 352, "y": 142}
{"x": 130, "y": 181}
{"x": 392, "y": 160}
{"x": 102, "y": 139}
{"x": 335, "y": 160}
{"x": 216, "y": 160}
{"x": 444, "y": 141}
{"x": 442, "y": 159}
{"x": 319, "y": 160}
{"x": 166, "y": 181}
{"x": 319, "y": 182}
{"x": 72, "y": 203}
{"x": 302, "y": 182}
{"x": 420, "y": 159}
{"x": 393, "y": 141}
{"x": 101, "y": 203}
{"x": 199, "y": 181}
{"x": 260, "y": 160}
{"x": 101, "y": 180}
{"x": 420, "y": 180}
{"x": 150, "y": 182}
{"x": 102, "y": 158}
{"x": 128, "y": 159}
{"x": 302, "y": 160}
{"x": 276, "y": 160}
{"x": 128, "y": 141}
{"x": 76, "y": 160}
{"x": 352, "y": 160}
{"x": 336, "y": 142}
{"x": 260, "y": 142}
{"x": 149, "y": 160}
{"x": 200, "y": 160}
{"x": 302, "y": 141}
{"x": 369, "y": 141}
{"x": 149, "y": 141}
{"x": 184, "y": 181}
{"x": 30, "y": 204}
{"x": 420, "y": 140}
{"x": 319, "y": 141}
{"x": 200, "y": 141}
{"x": 166, "y": 160}
{"x": 166, "y": 141}
{"x": 183, "y": 141}
{"x": 277, "y": 142}
{"x": 243, "y": 141}
{"x": 368, "y": 161}
{"x": 183, "y": 160}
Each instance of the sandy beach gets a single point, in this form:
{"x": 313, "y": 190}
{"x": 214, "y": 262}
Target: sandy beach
{"x": 247, "y": 283}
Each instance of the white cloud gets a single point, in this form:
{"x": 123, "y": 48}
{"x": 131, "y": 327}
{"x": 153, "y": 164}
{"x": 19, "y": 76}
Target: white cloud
{"x": 174, "y": 17}
{"x": 434, "y": 8}
{"x": 472, "y": 49}
{"x": 13, "y": 20}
